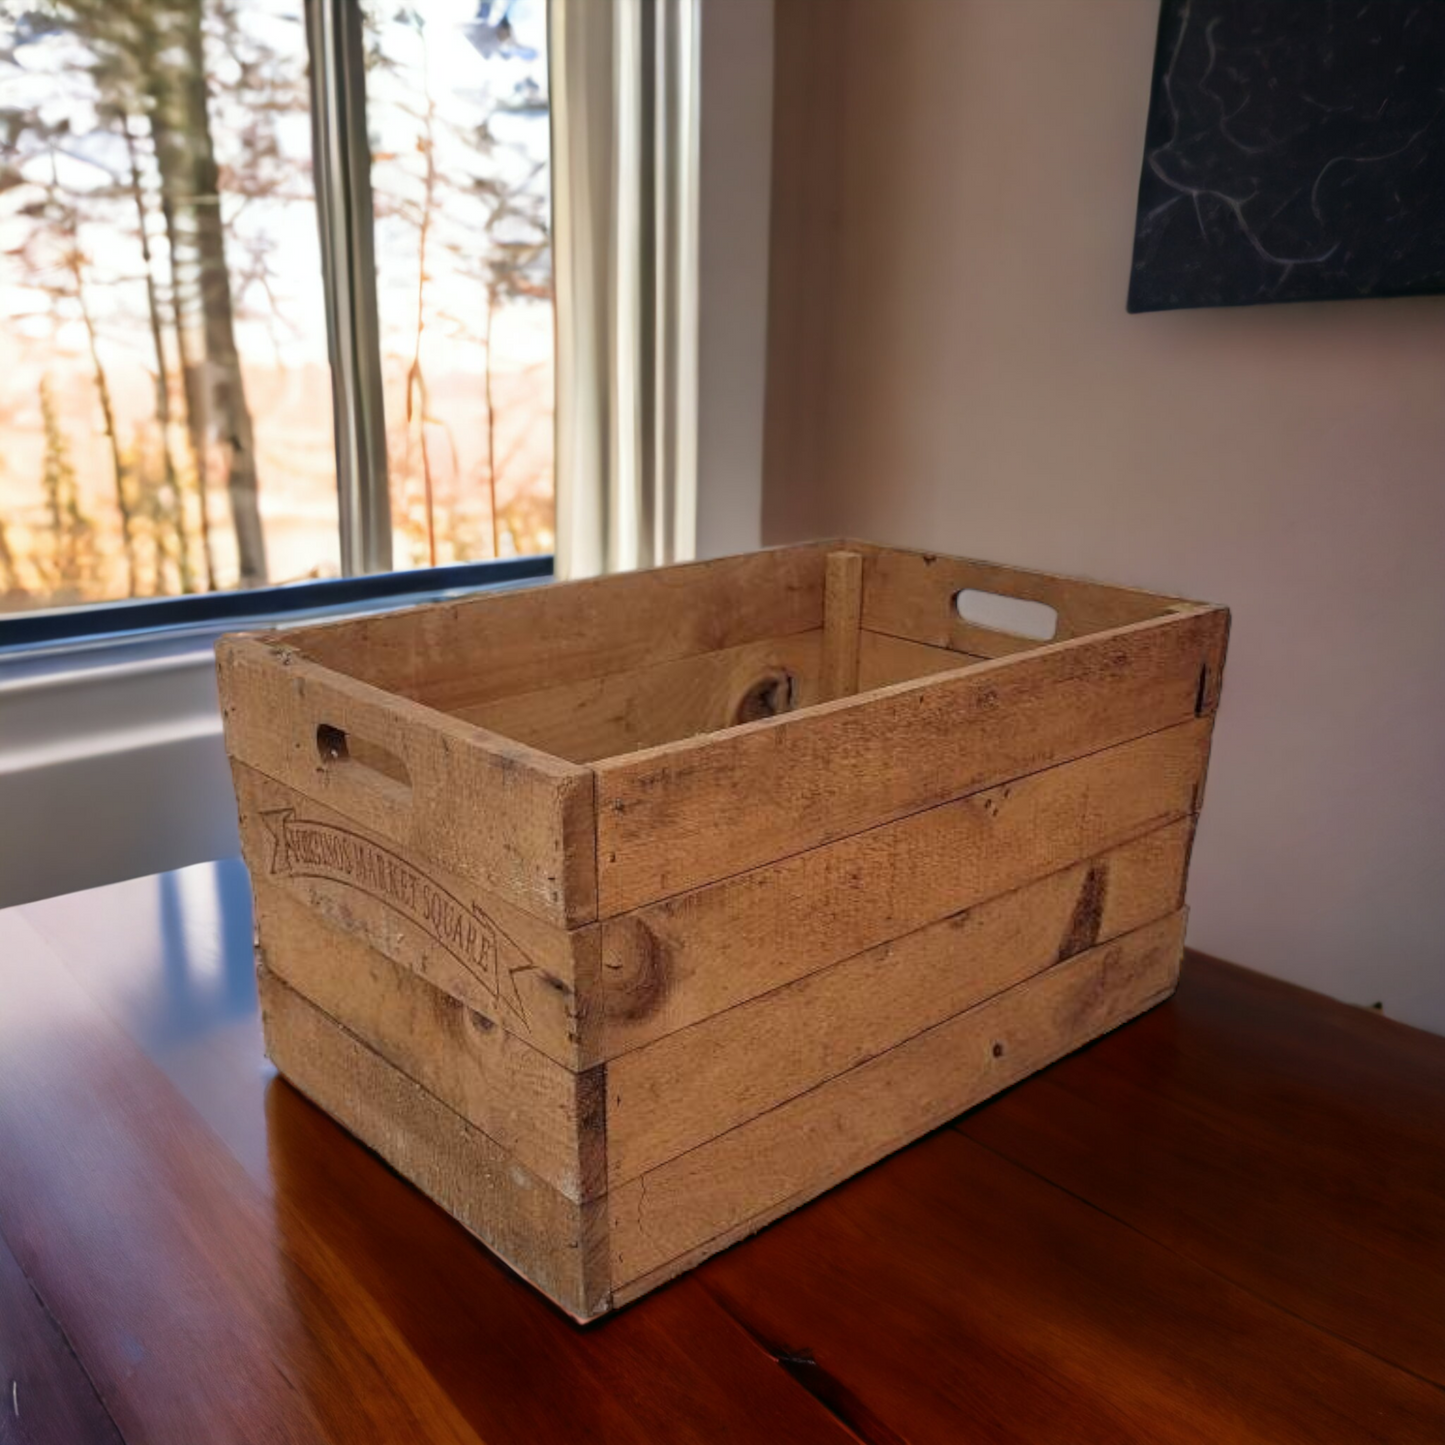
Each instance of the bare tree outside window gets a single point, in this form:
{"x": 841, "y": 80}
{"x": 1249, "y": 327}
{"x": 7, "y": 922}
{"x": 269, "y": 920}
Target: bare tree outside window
{"x": 165, "y": 413}
{"x": 457, "y": 112}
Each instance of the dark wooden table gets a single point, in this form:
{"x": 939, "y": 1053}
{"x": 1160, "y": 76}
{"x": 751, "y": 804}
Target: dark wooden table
{"x": 1225, "y": 1222}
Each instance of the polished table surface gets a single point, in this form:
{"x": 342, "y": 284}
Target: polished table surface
{"x": 1224, "y": 1222}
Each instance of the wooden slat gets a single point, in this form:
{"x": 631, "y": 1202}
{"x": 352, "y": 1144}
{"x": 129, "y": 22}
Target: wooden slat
{"x": 461, "y": 654}
{"x": 547, "y": 1238}
{"x": 642, "y": 707}
{"x": 842, "y": 601}
{"x": 808, "y": 1144}
{"x": 692, "y": 1085}
{"x": 670, "y": 964}
{"x": 539, "y": 1111}
{"x": 671, "y": 819}
{"x": 512, "y": 819}
{"x": 884, "y": 660}
{"x": 502, "y": 963}
{"x": 911, "y": 595}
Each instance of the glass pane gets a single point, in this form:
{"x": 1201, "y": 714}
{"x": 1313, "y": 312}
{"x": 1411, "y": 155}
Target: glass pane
{"x": 460, "y": 174}
{"x": 165, "y": 406}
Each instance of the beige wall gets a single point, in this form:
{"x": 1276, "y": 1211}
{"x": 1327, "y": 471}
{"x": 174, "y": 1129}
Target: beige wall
{"x": 951, "y": 365}
{"x": 736, "y": 155}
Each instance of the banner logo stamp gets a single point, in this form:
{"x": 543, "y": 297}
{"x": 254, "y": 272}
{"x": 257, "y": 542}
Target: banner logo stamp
{"x": 308, "y": 849}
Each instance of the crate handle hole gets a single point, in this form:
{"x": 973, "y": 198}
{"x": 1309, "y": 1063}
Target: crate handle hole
{"x": 1000, "y": 613}
{"x": 335, "y": 747}
{"x": 331, "y": 744}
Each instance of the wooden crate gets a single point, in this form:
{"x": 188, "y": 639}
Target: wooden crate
{"x": 624, "y": 916}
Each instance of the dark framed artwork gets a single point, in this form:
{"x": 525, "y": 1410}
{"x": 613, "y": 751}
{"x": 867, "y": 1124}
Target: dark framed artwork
{"x": 1295, "y": 151}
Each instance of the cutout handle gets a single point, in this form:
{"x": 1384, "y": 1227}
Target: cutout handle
{"x": 363, "y": 764}
{"x": 1001, "y": 613}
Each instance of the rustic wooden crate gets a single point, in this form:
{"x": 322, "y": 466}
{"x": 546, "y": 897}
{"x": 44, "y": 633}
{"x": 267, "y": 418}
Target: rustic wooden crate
{"x": 626, "y": 915}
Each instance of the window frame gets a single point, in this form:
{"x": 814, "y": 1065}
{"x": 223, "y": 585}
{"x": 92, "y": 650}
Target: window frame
{"x": 345, "y": 218}
{"x": 256, "y": 606}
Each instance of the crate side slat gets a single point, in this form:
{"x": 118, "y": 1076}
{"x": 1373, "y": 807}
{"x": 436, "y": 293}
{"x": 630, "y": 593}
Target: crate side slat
{"x": 693, "y": 1205}
{"x": 884, "y": 660}
{"x": 556, "y": 1244}
{"x": 523, "y": 1101}
{"x": 911, "y": 594}
{"x": 623, "y": 712}
{"x": 494, "y": 958}
{"x": 684, "y": 815}
{"x": 511, "y": 818}
{"x": 669, "y": 964}
{"x": 467, "y": 652}
{"x": 697, "y": 1083}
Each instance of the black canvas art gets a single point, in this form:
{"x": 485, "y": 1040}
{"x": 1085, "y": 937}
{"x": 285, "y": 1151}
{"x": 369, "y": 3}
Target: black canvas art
{"x": 1295, "y": 152}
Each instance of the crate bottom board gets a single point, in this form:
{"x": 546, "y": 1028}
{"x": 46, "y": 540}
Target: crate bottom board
{"x": 590, "y": 1258}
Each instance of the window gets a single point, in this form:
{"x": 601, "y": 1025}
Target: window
{"x": 267, "y": 321}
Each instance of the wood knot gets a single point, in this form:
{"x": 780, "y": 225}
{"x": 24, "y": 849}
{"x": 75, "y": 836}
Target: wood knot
{"x": 637, "y": 985}
{"x": 1087, "y": 919}
{"x": 771, "y": 694}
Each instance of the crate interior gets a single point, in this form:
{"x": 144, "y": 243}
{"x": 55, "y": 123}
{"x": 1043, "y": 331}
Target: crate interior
{"x": 610, "y": 666}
